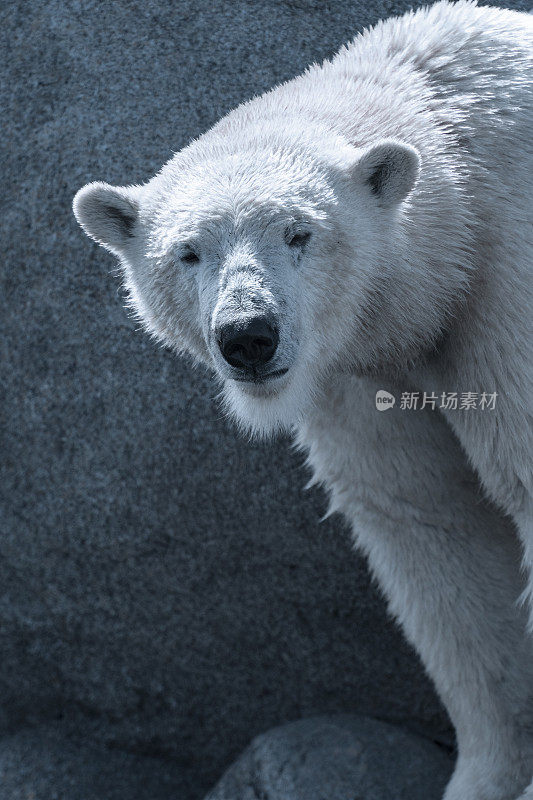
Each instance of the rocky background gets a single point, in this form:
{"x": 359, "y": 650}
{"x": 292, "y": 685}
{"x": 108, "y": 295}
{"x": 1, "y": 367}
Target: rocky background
{"x": 167, "y": 592}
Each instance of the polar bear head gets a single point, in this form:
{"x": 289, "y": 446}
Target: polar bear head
{"x": 276, "y": 263}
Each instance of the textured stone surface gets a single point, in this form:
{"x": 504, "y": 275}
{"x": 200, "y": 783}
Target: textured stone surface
{"x": 164, "y": 586}
{"x": 338, "y": 758}
{"x": 43, "y": 764}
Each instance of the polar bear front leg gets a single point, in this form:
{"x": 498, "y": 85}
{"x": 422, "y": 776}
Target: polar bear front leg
{"x": 449, "y": 565}
{"x": 482, "y": 780}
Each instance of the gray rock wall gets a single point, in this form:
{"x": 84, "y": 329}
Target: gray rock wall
{"x": 165, "y": 587}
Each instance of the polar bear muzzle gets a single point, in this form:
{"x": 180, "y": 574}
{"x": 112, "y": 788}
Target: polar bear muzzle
{"x": 249, "y": 346}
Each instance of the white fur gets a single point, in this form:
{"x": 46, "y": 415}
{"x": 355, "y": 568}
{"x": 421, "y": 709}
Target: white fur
{"x": 408, "y": 160}
{"x": 450, "y": 569}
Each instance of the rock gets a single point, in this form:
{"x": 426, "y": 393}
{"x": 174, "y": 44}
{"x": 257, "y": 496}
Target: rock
{"x": 44, "y": 763}
{"x": 337, "y": 758}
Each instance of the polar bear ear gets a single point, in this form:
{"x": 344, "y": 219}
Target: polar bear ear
{"x": 389, "y": 169}
{"x": 108, "y": 214}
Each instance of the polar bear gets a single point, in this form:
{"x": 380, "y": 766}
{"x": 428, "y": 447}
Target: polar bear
{"x": 366, "y": 227}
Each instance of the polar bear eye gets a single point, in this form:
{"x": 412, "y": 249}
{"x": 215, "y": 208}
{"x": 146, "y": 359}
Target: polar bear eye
{"x": 298, "y": 239}
{"x": 189, "y": 256}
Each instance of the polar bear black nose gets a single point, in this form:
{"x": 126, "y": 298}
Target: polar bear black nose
{"x": 248, "y": 345}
